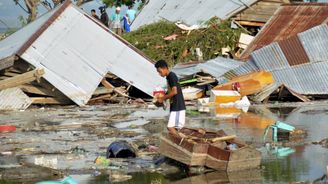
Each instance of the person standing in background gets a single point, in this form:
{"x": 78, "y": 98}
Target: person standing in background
{"x": 93, "y": 14}
{"x": 104, "y": 17}
{"x": 115, "y": 21}
{"x": 131, "y": 13}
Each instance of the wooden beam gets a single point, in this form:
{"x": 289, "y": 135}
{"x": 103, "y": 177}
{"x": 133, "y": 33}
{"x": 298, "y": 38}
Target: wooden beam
{"x": 250, "y": 23}
{"x": 102, "y": 97}
{"x": 102, "y": 91}
{"x": 28, "y": 88}
{"x": 7, "y": 62}
{"x": 49, "y": 100}
{"x": 21, "y": 79}
{"x": 116, "y": 90}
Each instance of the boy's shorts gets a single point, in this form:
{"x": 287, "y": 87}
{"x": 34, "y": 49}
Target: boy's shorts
{"x": 177, "y": 119}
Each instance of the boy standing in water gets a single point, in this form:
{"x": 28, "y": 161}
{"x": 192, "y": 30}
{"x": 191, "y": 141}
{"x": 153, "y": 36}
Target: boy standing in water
{"x": 177, "y": 104}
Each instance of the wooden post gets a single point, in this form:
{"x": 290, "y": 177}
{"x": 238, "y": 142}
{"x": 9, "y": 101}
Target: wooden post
{"x": 21, "y": 79}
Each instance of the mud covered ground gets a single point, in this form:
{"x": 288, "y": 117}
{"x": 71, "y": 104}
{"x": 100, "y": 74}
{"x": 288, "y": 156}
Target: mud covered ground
{"x": 51, "y": 143}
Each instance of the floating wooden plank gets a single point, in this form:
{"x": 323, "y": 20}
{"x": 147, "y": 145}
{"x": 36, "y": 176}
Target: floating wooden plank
{"x": 21, "y": 79}
{"x": 224, "y": 138}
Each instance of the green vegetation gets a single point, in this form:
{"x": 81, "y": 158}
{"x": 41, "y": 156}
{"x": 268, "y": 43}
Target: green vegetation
{"x": 150, "y": 40}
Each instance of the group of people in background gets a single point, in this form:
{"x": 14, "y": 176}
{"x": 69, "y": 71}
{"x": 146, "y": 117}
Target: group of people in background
{"x": 116, "y": 22}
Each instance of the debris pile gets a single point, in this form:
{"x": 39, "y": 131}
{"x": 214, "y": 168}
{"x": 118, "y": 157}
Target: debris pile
{"x": 165, "y": 40}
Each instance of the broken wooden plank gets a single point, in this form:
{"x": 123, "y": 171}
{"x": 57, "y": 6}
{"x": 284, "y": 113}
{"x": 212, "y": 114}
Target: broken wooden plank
{"x": 102, "y": 97}
{"x": 7, "y": 62}
{"x": 102, "y": 91}
{"x": 224, "y": 138}
{"x": 28, "y": 88}
{"x": 21, "y": 79}
{"x": 116, "y": 90}
{"x": 49, "y": 100}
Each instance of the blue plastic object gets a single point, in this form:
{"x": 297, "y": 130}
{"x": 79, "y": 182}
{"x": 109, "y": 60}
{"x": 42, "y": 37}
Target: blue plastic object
{"x": 275, "y": 127}
{"x": 67, "y": 180}
{"x": 283, "y": 151}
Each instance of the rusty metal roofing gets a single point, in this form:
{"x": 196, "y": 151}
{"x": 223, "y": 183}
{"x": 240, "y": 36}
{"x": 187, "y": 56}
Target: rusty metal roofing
{"x": 309, "y": 78}
{"x": 287, "y": 21}
{"x": 14, "y": 99}
{"x": 191, "y": 12}
{"x": 215, "y": 67}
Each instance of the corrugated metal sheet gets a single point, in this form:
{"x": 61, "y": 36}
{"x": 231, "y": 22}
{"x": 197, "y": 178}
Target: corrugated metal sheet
{"x": 14, "y": 99}
{"x": 190, "y": 12}
{"x": 293, "y": 51}
{"x": 307, "y": 79}
{"x": 315, "y": 43}
{"x": 288, "y": 20}
{"x": 76, "y": 60}
{"x": 10, "y": 45}
{"x": 245, "y": 68}
{"x": 215, "y": 67}
{"x": 270, "y": 57}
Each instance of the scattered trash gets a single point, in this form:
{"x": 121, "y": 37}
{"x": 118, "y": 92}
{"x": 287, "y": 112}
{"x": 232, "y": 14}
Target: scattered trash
{"x": 120, "y": 149}
{"x": 171, "y": 37}
{"x": 224, "y": 96}
{"x": 46, "y": 161}
{"x": 323, "y": 143}
{"x": 6, "y": 153}
{"x": 279, "y": 151}
{"x": 102, "y": 161}
{"x": 192, "y": 93}
{"x": 7, "y": 128}
{"x": 78, "y": 150}
{"x": 67, "y": 180}
{"x": 116, "y": 176}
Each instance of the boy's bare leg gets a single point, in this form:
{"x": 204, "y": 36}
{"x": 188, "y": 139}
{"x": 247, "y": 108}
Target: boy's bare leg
{"x": 172, "y": 130}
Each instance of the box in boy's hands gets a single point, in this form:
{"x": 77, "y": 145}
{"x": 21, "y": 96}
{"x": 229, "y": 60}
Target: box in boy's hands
{"x": 158, "y": 93}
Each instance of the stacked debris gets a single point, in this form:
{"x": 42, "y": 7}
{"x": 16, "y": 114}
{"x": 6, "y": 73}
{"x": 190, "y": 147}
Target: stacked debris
{"x": 53, "y": 61}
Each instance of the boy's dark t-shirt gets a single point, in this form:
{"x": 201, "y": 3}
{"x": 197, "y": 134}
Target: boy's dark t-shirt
{"x": 177, "y": 102}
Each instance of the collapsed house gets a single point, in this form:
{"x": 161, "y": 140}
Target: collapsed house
{"x": 65, "y": 54}
{"x": 299, "y": 63}
{"x": 197, "y": 12}
{"x": 287, "y": 21}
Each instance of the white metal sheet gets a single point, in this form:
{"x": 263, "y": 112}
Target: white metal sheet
{"x": 76, "y": 53}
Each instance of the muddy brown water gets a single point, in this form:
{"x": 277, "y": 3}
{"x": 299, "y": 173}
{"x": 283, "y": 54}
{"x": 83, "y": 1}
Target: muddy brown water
{"x": 69, "y": 139}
